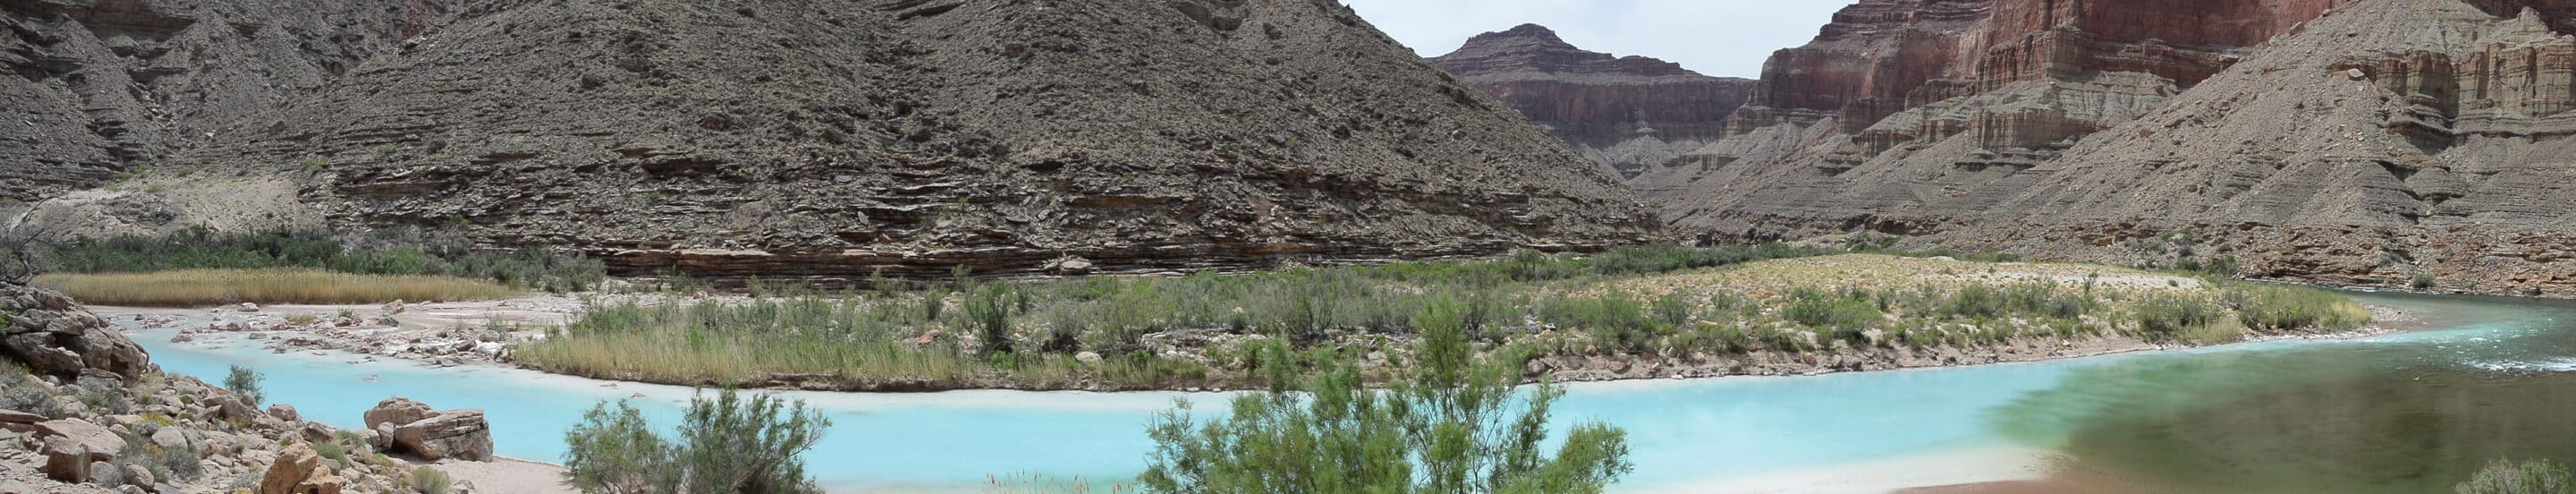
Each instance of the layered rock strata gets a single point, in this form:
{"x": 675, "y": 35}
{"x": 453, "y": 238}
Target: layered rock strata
{"x": 842, "y": 139}
{"x": 1628, "y": 113}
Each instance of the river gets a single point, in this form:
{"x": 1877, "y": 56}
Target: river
{"x": 2410, "y": 412}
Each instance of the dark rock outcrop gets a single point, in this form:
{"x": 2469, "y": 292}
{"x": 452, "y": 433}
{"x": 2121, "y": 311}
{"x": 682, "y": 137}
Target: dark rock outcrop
{"x": 55, "y": 336}
{"x": 1629, "y": 113}
{"x": 844, "y": 138}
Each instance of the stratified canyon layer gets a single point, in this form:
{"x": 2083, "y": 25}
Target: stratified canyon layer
{"x": 833, "y": 138}
{"x": 2368, "y": 143}
{"x": 1629, "y": 113}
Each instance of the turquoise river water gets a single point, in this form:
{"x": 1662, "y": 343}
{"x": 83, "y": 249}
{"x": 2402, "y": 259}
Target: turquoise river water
{"x": 2412, "y": 412}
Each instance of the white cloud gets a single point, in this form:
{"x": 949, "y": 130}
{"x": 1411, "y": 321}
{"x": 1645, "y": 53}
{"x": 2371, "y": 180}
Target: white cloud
{"x": 1714, "y": 37}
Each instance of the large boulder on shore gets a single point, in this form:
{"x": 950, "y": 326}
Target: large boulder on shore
{"x": 431, "y": 434}
{"x": 71, "y": 445}
{"x": 299, "y": 470}
{"x": 54, "y": 335}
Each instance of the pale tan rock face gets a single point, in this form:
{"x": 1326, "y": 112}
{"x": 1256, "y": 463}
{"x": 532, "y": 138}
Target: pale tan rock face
{"x": 299, "y": 470}
{"x": 2361, "y": 144}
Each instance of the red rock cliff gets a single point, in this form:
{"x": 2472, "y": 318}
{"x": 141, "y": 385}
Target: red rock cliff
{"x": 1629, "y": 113}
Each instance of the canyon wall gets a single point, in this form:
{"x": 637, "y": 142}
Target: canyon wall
{"x": 849, "y": 138}
{"x": 2369, "y": 142}
{"x": 1628, "y": 113}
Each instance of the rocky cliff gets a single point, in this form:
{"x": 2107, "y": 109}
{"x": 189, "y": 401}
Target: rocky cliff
{"x": 103, "y": 88}
{"x": 1629, "y": 113}
{"x": 2375, "y": 143}
{"x": 843, "y": 138}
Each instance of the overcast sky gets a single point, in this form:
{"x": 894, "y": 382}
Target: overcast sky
{"x": 1714, "y": 37}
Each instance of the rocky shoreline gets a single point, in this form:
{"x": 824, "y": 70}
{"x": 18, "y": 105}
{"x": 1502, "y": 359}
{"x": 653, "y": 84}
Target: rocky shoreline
{"x": 83, "y": 410}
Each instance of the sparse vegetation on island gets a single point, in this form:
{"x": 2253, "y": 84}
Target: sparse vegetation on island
{"x": 1661, "y": 303}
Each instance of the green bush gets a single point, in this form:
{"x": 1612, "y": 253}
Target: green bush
{"x": 331, "y": 450}
{"x": 725, "y": 444}
{"x": 2530, "y": 477}
{"x": 1844, "y": 317}
{"x": 2168, "y": 317}
{"x": 245, "y": 382}
{"x": 1456, "y": 425}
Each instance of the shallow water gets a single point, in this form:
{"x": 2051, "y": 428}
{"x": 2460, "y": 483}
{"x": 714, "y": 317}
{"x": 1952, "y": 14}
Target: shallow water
{"x": 2390, "y": 414}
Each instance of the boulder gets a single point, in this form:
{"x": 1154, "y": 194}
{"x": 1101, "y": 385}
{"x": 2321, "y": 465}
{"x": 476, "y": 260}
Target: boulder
{"x": 299, "y": 470}
{"x": 397, "y": 411}
{"x": 71, "y": 445}
{"x": 459, "y": 434}
{"x": 231, "y": 408}
{"x": 170, "y": 438}
{"x": 137, "y": 475}
{"x": 413, "y": 427}
{"x": 284, "y": 412}
{"x": 57, "y": 337}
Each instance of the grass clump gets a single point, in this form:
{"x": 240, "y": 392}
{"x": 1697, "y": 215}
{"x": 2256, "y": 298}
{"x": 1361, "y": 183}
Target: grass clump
{"x": 198, "y": 287}
{"x": 2530, "y": 477}
{"x": 427, "y": 480}
{"x": 2283, "y": 308}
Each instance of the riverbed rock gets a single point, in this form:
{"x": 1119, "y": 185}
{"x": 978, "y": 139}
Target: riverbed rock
{"x": 299, "y": 470}
{"x": 71, "y": 445}
{"x": 55, "y": 336}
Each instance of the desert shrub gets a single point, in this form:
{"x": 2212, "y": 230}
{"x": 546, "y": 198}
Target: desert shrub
{"x": 1455, "y": 425}
{"x": 1839, "y": 317}
{"x": 426, "y": 480}
{"x": 179, "y": 464}
{"x": 2166, "y": 316}
{"x": 988, "y": 313}
{"x": 724, "y": 444}
{"x": 2423, "y": 281}
{"x": 245, "y": 382}
{"x": 32, "y": 398}
{"x": 331, "y": 450}
{"x": 2530, "y": 477}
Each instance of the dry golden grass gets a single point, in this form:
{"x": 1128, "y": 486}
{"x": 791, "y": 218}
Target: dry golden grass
{"x": 202, "y": 287}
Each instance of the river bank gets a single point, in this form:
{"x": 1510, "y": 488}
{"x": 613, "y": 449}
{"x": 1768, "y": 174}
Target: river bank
{"x": 1754, "y": 320}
